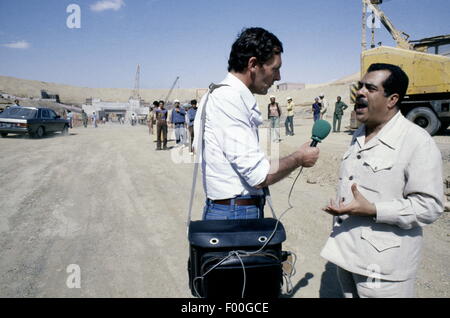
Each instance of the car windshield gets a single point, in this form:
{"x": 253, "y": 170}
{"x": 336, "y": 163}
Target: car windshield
{"x": 18, "y": 112}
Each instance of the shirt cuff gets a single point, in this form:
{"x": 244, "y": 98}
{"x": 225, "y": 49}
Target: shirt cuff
{"x": 386, "y": 213}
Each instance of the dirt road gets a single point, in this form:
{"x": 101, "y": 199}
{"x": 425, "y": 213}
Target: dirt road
{"x": 105, "y": 200}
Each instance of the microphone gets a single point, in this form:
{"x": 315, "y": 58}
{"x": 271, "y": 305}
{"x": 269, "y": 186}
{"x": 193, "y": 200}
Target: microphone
{"x": 320, "y": 131}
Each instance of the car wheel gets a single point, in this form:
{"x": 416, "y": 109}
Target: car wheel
{"x": 40, "y": 132}
{"x": 65, "y": 131}
{"x": 4, "y": 135}
{"x": 425, "y": 118}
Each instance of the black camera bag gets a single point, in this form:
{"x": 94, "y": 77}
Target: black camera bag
{"x": 236, "y": 258}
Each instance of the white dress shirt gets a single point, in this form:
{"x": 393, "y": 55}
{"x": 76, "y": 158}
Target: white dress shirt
{"x": 400, "y": 171}
{"x": 233, "y": 163}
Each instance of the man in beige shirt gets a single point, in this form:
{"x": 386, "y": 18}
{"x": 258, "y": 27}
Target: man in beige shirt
{"x": 390, "y": 186}
{"x": 289, "y": 123}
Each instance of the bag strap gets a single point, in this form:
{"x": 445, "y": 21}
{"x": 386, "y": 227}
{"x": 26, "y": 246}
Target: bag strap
{"x": 199, "y": 152}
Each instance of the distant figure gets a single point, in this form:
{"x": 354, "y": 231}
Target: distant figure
{"x": 274, "y": 114}
{"x": 316, "y": 109}
{"x": 133, "y": 119}
{"x": 161, "y": 126}
{"x": 16, "y": 103}
{"x": 338, "y": 113}
{"x": 84, "y": 118}
{"x": 70, "y": 118}
{"x": 94, "y": 120}
{"x": 151, "y": 117}
{"x": 192, "y": 112}
{"x": 179, "y": 122}
{"x": 104, "y": 120}
{"x": 289, "y": 123}
{"x": 324, "y": 108}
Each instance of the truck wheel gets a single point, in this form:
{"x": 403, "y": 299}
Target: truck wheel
{"x": 425, "y": 118}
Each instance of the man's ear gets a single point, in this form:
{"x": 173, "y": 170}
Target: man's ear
{"x": 252, "y": 63}
{"x": 392, "y": 100}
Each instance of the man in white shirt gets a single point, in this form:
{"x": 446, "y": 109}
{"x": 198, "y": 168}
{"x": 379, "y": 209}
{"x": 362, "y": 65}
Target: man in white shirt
{"x": 235, "y": 170}
{"x": 390, "y": 186}
{"x": 324, "y": 106}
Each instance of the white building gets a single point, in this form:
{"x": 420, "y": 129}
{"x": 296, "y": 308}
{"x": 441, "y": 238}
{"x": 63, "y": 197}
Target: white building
{"x": 115, "y": 109}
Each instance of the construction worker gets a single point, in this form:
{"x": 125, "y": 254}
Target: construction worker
{"x": 324, "y": 108}
{"x": 274, "y": 114}
{"x": 151, "y": 117}
{"x": 289, "y": 123}
{"x": 84, "y": 118}
{"x": 338, "y": 113}
{"x": 178, "y": 120}
{"x": 161, "y": 126}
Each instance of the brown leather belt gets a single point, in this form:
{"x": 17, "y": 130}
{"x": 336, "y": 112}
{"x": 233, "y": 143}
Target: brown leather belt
{"x": 238, "y": 201}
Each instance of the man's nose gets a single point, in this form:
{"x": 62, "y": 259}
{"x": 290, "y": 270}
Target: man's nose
{"x": 277, "y": 76}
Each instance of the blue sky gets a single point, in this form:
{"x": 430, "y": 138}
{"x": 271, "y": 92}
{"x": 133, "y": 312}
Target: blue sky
{"x": 192, "y": 38}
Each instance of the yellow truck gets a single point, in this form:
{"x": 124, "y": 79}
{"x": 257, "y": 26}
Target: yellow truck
{"x": 427, "y": 63}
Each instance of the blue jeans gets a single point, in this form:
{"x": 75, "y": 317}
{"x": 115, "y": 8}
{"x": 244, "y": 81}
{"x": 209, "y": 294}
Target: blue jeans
{"x": 289, "y": 124}
{"x": 213, "y": 211}
{"x": 180, "y": 133}
{"x": 275, "y": 128}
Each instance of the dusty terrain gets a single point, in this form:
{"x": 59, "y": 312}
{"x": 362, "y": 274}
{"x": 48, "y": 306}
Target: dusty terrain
{"x": 77, "y": 95}
{"x": 105, "y": 200}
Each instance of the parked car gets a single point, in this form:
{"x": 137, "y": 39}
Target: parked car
{"x": 31, "y": 120}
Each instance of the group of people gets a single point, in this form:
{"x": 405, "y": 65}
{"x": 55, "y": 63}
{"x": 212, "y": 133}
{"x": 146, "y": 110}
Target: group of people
{"x": 274, "y": 115}
{"x": 319, "y": 109}
{"x": 390, "y": 178}
{"x": 181, "y": 118}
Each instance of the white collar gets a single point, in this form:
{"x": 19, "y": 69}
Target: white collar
{"x": 247, "y": 96}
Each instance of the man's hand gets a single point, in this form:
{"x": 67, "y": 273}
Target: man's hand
{"x": 307, "y": 156}
{"x": 359, "y": 206}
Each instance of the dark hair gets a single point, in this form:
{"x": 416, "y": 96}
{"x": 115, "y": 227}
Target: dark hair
{"x": 396, "y": 83}
{"x": 161, "y": 101}
{"x": 194, "y": 102}
{"x": 155, "y": 103}
{"x": 253, "y": 42}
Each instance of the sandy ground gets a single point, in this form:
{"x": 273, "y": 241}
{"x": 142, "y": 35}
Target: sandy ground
{"x": 105, "y": 200}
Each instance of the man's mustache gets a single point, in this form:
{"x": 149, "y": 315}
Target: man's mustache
{"x": 360, "y": 101}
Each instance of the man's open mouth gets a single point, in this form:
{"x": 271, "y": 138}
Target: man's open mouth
{"x": 360, "y": 104}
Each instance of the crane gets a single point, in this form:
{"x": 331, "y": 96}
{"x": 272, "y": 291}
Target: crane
{"x": 401, "y": 38}
{"x": 171, "y": 89}
{"x": 135, "y": 95}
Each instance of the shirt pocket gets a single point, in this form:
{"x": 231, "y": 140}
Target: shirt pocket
{"x": 381, "y": 241}
{"x": 377, "y": 174}
{"x": 378, "y": 164}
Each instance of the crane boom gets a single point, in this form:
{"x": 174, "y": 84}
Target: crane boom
{"x": 171, "y": 89}
{"x": 397, "y": 35}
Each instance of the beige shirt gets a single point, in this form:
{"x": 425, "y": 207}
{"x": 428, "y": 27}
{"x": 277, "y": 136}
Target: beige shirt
{"x": 324, "y": 107}
{"x": 290, "y": 108}
{"x": 400, "y": 171}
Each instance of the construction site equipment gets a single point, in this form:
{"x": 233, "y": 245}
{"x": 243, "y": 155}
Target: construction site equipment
{"x": 171, "y": 89}
{"x": 427, "y": 64}
{"x": 135, "y": 94}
